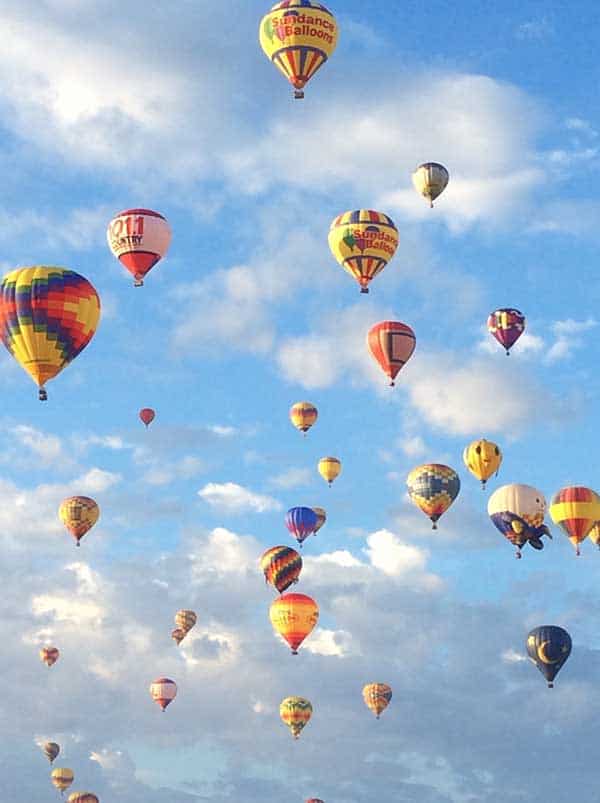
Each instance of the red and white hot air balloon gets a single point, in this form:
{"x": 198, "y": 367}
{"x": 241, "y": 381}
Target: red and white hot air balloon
{"x": 139, "y": 238}
{"x": 163, "y": 691}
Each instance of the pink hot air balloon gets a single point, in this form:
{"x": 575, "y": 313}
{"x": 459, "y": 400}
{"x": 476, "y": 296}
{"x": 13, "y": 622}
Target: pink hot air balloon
{"x": 507, "y": 326}
{"x": 163, "y": 691}
{"x": 147, "y": 415}
{"x": 139, "y": 238}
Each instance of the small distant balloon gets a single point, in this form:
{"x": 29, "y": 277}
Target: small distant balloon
{"x": 303, "y": 415}
{"x": 295, "y": 712}
{"x": 281, "y": 566}
{"x": 82, "y": 797}
{"x": 294, "y": 617}
{"x": 377, "y": 697}
{"x": 163, "y": 691}
{"x": 391, "y": 344}
{"x": 147, "y": 416}
{"x": 298, "y": 36}
{"x": 79, "y": 514}
{"x": 139, "y": 238}
{"x": 51, "y": 750}
{"x": 483, "y": 459}
{"x": 185, "y": 620}
{"x": 363, "y": 242}
{"x": 62, "y": 778}
{"x": 433, "y": 487}
{"x": 507, "y": 326}
{"x": 329, "y": 469}
{"x": 549, "y": 646}
{"x": 49, "y": 655}
{"x": 430, "y": 180}
{"x": 321, "y": 518}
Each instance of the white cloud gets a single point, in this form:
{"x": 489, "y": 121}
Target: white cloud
{"x": 293, "y": 477}
{"x": 337, "y": 643}
{"x": 569, "y": 338}
{"x": 96, "y": 480}
{"x": 413, "y": 446}
{"x": 229, "y": 497}
{"x": 511, "y": 656}
{"x": 48, "y": 448}
{"x": 389, "y": 554}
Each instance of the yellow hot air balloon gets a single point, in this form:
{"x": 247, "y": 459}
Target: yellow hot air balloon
{"x": 82, "y": 797}
{"x": 48, "y": 316}
{"x": 295, "y": 712}
{"x": 298, "y": 36}
{"x": 483, "y": 459}
{"x": 430, "y": 180}
{"x": 575, "y": 509}
{"x": 62, "y": 778}
{"x": 185, "y": 620}
{"x": 78, "y": 514}
{"x": 363, "y": 242}
{"x": 329, "y": 468}
{"x": 377, "y": 697}
{"x": 303, "y": 415}
{"x": 294, "y": 617}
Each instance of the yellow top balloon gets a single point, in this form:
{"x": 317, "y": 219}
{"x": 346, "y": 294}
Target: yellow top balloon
{"x": 430, "y": 180}
{"x": 303, "y": 415}
{"x": 298, "y": 36}
{"x": 363, "y": 242}
{"x": 78, "y": 514}
{"x": 483, "y": 459}
{"x": 62, "y": 778}
{"x": 329, "y": 469}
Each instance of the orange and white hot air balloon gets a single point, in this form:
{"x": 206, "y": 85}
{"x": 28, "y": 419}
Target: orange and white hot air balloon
{"x": 391, "y": 344}
{"x": 49, "y": 655}
{"x": 139, "y": 238}
{"x": 294, "y": 617}
{"x": 377, "y": 697}
{"x": 79, "y": 514}
{"x": 163, "y": 691}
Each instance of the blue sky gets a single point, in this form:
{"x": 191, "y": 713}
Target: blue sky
{"x": 105, "y": 106}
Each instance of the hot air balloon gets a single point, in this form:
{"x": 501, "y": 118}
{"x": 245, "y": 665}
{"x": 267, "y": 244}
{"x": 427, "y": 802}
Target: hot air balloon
{"x": 518, "y": 512}
{"x": 163, "y": 691}
{"x": 575, "y": 510}
{"x": 391, "y": 344}
{"x": 430, "y": 180}
{"x": 549, "y": 646}
{"x": 282, "y": 566}
{"x": 185, "y": 620}
{"x": 139, "y": 238}
{"x": 178, "y": 635}
{"x": 329, "y": 468}
{"x": 301, "y": 522}
{"x": 294, "y": 616}
{"x": 49, "y": 655}
{"x": 62, "y": 778}
{"x": 507, "y": 326}
{"x": 78, "y": 514}
{"x": 82, "y": 797}
{"x": 314, "y": 800}
{"x": 483, "y": 459}
{"x": 433, "y": 487}
{"x": 321, "y": 518}
{"x": 594, "y": 534}
{"x": 51, "y": 750}
{"x": 48, "y": 316}
{"x": 147, "y": 416}
{"x": 363, "y": 242}
{"x": 295, "y": 713}
{"x": 298, "y": 36}
{"x": 377, "y": 697}
{"x": 303, "y": 415}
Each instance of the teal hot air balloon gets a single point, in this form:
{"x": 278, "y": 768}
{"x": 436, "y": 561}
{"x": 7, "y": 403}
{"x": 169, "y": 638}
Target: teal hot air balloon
{"x": 549, "y": 646}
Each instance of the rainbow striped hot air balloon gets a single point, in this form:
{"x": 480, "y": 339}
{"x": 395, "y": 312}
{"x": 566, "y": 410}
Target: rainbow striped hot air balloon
{"x": 281, "y": 566}
{"x": 575, "y": 509}
{"x": 48, "y": 316}
{"x": 363, "y": 242}
{"x": 294, "y": 617}
{"x": 298, "y": 36}
{"x": 295, "y": 713}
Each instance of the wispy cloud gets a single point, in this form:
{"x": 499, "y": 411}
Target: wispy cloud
{"x": 231, "y": 498}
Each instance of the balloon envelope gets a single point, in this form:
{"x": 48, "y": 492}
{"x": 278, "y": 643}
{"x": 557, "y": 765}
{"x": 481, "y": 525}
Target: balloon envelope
{"x": 518, "y": 512}
{"x": 139, "y": 238}
{"x": 430, "y": 180}
{"x": 363, "y": 242}
{"x": 82, "y": 797}
{"x": 147, "y": 415}
{"x": 575, "y": 509}
{"x": 294, "y": 616}
{"x": 178, "y": 635}
{"x": 321, "y": 518}
{"x": 391, "y": 344}
{"x": 48, "y": 316}
{"x": 281, "y": 566}
{"x": 433, "y": 487}
{"x": 548, "y": 646}
{"x": 78, "y": 514}
{"x": 377, "y": 697}
{"x": 303, "y": 415}
{"x": 49, "y": 655}
{"x": 329, "y": 468}
{"x": 163, "y": 691}
{"x": 185, "y": 620}
{"x": 295, "y": 712}
{"x": 483, "y": 459}
{"x": 62, "y": 778}
{"x": 506, "y": 325}
{"x": 298, "y": 36}
{"x": 301, "y": 522}
{"x": 51, "y": 750}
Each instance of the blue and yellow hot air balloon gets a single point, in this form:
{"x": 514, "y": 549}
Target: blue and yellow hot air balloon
{"x": 48, "y": 316}
{"x": 433, "y": 487}
{"x": 363, "y": 242}
{"x": 298, "y": 36}
{"x": 549, "y": 646}
{"x": 483, "y": 459}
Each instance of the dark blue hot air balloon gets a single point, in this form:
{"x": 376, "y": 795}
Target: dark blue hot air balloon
{"x": 549, "y": 646}
{"x": 301, "y": 522}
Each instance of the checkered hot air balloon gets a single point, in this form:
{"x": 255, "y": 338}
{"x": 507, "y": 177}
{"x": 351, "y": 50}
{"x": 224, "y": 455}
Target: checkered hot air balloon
{"x": 298, "y": 36}
{"x": 576, "y": 510}
{"x": 432, "y": 488}
{"x": 48, "y": 316}
{"x": 294, "y": 617}
{"x": 363, "y": 242}
{"x": 139, "y": 238}
{"x": 78, "y": 514}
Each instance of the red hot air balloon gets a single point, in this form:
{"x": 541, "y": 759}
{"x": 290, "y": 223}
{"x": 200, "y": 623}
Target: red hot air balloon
{"x": 507, "y": 326}
{"x": 147, "y": 415}
{"x": 139, "y": 238}
{"x": 391, "y": 344}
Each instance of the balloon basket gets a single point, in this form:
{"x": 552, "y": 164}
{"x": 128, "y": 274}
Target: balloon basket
{"x": 42, "y": 395}
{"x": 298, "y": 94}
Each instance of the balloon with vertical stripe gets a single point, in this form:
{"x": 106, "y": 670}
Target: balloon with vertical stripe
{"x": 281, "y": 566}
{"x": 363, "y": 242}
{"x": 301, "y": 522}
{"x": 391, "y": 344}
{"x": 163, "y": 691}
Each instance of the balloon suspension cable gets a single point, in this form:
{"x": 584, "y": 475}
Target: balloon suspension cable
{"x": 42, "y": 395}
